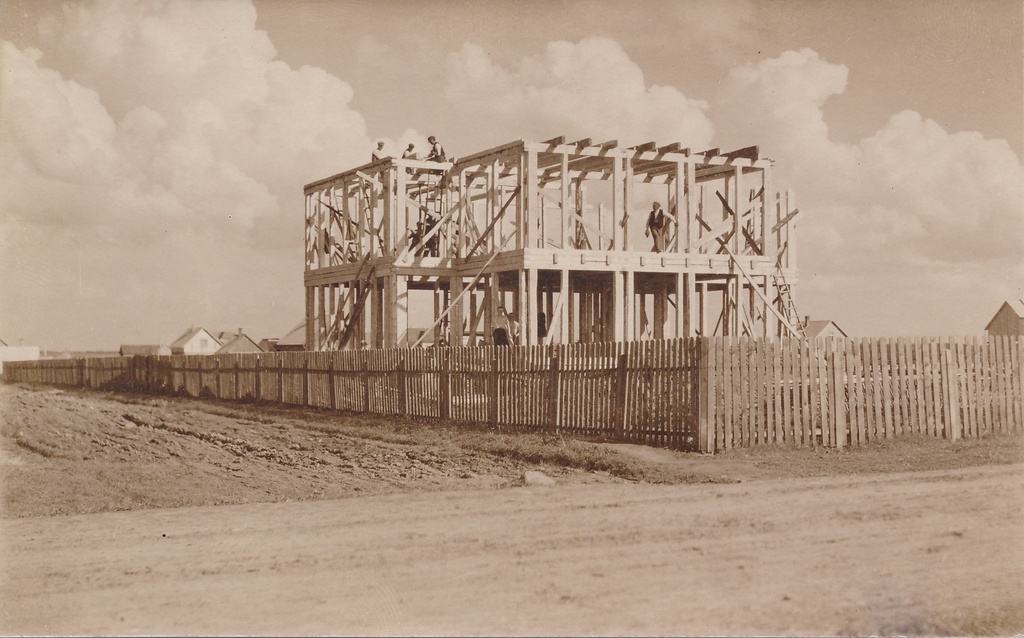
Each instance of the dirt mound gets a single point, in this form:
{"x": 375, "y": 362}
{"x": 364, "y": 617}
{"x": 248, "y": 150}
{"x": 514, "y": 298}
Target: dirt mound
{"x": 77, "y": 451}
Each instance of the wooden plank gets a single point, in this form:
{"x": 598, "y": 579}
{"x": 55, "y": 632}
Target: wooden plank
{"x": 1002, "y": 357}
{"x": 709, "y": 346}
{"x": 927, "y": 408}
{"x": 827, "y": 378}
{"x": 976, "y": 388}
{"x": 767, "y": 402}
{"x": 846, "y": 431}
{"x": 965, "y": 359}
{"x": 941, "y": 412}
{"x": 754, "y": 375}
{"x": 788, "y": 431}
{"x": 813, "y": 392}
{"x": 803, "y": 392}
{"x": 951, "y": 398}
{"x": 1014, "y": 376}
{"x": 885, "y": 378}
{"x": 921, "y": 408}
{"x": 877, "y": 429}
{"x": 725, "y": 397}
{"x": 1012, "y": 384}
{"x": 895, "y": 393}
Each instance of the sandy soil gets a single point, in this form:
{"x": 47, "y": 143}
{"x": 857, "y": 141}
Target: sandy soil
{"x": 928, "y": 552}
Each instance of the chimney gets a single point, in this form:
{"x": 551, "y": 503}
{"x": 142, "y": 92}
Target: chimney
{"x": 239, "y": 332}
{"x": 807, "y": 320}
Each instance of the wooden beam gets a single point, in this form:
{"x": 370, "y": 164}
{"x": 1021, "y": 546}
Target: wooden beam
{"x": 494, "y": 221}
{"x": 466, "y": 289}
{"x": 749, "y": 152}
{"x": 785, "y": 220}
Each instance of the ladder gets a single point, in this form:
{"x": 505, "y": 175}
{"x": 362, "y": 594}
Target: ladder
{"x": 345, "y": 324}
{"x": 785, "y": 299}
{"x": 357, "y": 310}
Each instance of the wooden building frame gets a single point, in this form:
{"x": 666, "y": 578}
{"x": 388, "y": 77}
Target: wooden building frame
{"x": 543, "y": 233}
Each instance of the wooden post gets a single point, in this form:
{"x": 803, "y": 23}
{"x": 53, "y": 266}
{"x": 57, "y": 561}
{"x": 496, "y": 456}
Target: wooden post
{"x": 492, "y": 389}
{"x": 839, "y": 390}
{"x": 621, "y": 371}
{"x": 530, "y": 300}
{"x": 305, "y": 378}
{"x": 366, "y": 381}
{"x": 216, "y": 377}
{"x": 256, "y": 368}
{"x": 455, "y": 314}
{"x": 401, "y": 310}
{"x": 952, "y": 395}
{"x": 236, "y": 397}
{"x": 403, "y": 392}
{"x": 552, "y": 395}
{"x": 81, "y": 372}
{"x": 705, "y": 436}
{"x": 444, "y": 384}
{"x": 629, "y": 308}
{"x": 310, "y": 319}
{"x": 618, "y": 205}
{"x": 330, "y": 381}
{"x": 280, "y": 380}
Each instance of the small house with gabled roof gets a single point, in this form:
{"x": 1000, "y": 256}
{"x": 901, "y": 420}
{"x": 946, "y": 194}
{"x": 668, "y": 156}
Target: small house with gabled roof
{"x": 196, "y": 341}
{"x": 294, "y": 340}
{"x": 1008, "y": 320}
{"x": 823, "y": 329}
{"x": 239, "y": 344}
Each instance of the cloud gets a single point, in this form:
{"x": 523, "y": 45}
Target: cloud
{"x": 171, "y": 133}
{"x": 590, "y": 88}
{"x": 912, "y": 212}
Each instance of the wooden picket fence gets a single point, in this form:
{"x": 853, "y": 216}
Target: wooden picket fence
{"x": 849, "y": 392}
{"x": 641, "y": 391}
{"x": 705, "y": 394}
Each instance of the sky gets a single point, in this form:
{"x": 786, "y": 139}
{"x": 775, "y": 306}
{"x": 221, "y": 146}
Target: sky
{"x": 153, "y": 153}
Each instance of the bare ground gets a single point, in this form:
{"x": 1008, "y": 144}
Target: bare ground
{"x": 427, "y": 528}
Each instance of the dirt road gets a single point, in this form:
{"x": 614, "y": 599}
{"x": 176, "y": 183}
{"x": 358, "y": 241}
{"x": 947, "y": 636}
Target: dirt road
{"x": 927, "y": 552}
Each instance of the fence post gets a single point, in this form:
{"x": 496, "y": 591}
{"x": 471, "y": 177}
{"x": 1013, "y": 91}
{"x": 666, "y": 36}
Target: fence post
{"x": 952, "y": 406}
{"x": 330, "y": 380}
{"x": 81, "y": 372}
{"x": 280, "y": 380}
{"x": 365, "y": 364}
{"x": 444, "y": 386}
{"x": 216, "y": 377}
{"x": 305, "y": 379}
{"x": 256, "y": 368}
{"x": 705, "y": 443}
{"x": 839, "y": 392}
{"x": 235, "y": 397}
{"x": 492, "y": 389}
{"x": 403, "y": 394}
{"x": 621, "y": 372}
{"x": 552, "y": 395}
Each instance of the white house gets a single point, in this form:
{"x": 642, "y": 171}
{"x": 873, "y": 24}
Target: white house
{"x": 1008, "y": 320}
{"x": 195, "y": 341}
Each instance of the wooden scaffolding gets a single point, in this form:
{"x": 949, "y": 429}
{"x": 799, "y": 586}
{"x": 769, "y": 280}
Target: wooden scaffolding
{"x": 547, "y": 242}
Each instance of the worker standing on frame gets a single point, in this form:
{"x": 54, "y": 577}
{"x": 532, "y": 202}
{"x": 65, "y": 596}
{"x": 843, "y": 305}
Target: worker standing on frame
{"x": 378, "y": 153}
{"x": 436, "y": 150}
{"x": 657, "y": 227}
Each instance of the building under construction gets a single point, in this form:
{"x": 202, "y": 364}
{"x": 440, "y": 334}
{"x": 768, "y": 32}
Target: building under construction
{"x": 547, "y": 242}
